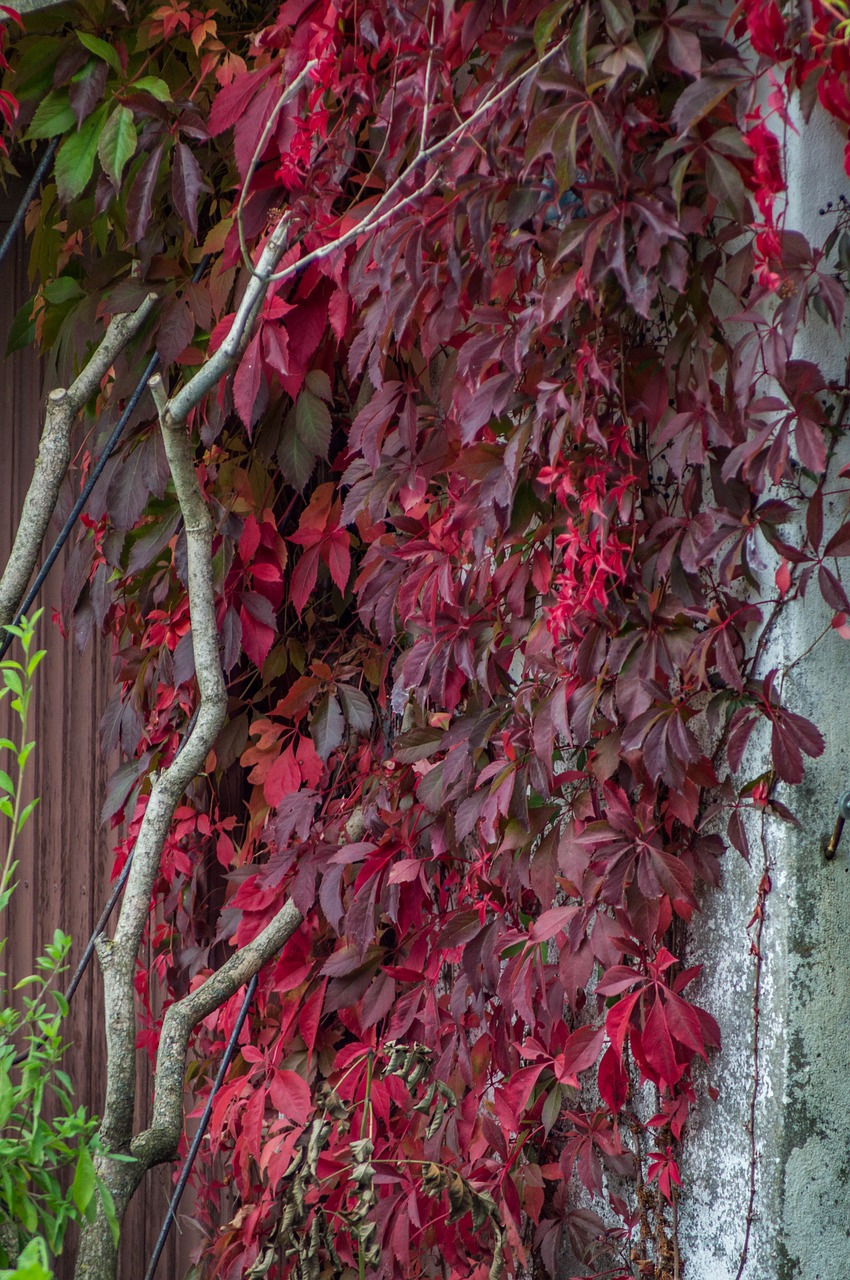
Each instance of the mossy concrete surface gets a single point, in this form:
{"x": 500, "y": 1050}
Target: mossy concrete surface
{"x": 799, "y": 1221}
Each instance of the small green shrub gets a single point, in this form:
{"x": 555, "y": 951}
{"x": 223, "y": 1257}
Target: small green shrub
{"x": 47, "y": 1174}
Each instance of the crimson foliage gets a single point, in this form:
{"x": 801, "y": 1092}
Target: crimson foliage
{"x": 498, "y": 485}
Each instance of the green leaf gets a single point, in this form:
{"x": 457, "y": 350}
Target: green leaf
{"x": 327, "y": 726}
{"x": 319, "y": 383}
{"x": 6, "y": 783}
{"x": 62, "y": 290}
{"x": 53, "y": 115}
{"x": 27, "y": 1212}
{"x": 33, "y": 1261}
{"x": 577, "y": 45}
{"x": 8, "y": 744}
{"x": 24, "y": 754}
{"x": 63, "y": 1007}
{"x": 101, "y": 49}
{"x": 12, "y": 681}
{"x": 35, "y": 660}
{"x": 313, "y": 423}
{"x": 7, "y": 1096}
{"x": 547, "y": 22}
{"x": 296, "y": 459}
{"x": 154, "y": 86}
{"x": 552, "y": 1107}
{"x": 109, "y": 1210}
{"x": 75, "y": 158}
{"x": 117, "y": 144}
{"x": 82, "y": 1188}
{"x": 26, "y": 813}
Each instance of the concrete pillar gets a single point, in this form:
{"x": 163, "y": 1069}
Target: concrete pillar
{"x": 790, "y": 1073}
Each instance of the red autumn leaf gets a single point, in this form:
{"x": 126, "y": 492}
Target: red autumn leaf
{"x": 337, "y": 554}
{"x": 304, "y": 578}
{"x": 186, "y": 185}
{"x": 282, "y": 779}
{"x": 140, "y": 199}
{"x": 290, "y": 1094}
{"x": 612, "y": 1081}
{"x": 659, "y": 1047}
{"x": 247, "y": 382}
{"x": 581, "y": 1051}
{"x": 618, "y": 1019}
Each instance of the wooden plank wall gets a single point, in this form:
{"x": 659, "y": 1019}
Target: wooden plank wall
{"x": 65, "y": 855}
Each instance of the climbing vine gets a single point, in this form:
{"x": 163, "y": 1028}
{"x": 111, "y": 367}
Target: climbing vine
{"x": 510, "y": 483}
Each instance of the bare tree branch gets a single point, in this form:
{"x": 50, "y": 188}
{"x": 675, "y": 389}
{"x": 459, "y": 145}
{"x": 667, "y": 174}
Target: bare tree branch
{"x": 118, "y": 955}
{"x": 54, "y": 454}
{"x": 159, "y": 1142}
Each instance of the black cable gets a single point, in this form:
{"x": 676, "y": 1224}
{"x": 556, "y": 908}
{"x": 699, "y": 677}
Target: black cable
{"x": 202, "y": 1128}
{"x": 85, "y": 959}
{"x": 107, "y": 453}
{"x": 20, "y": 213}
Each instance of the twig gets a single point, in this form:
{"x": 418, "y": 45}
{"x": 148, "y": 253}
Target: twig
{"x": 287, "y": 96}
{"x": 379, "y": 215}
{"x": 756, "y": 950}
{"x": 427, "y": 85}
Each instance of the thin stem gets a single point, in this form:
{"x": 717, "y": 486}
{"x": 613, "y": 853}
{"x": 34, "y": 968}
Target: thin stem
{"x": 287, "y": 96}
{"x": 19, "y": 789}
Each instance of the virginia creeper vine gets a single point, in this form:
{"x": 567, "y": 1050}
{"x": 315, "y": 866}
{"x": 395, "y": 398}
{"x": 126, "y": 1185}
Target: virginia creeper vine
{"x": 510, "y": 478}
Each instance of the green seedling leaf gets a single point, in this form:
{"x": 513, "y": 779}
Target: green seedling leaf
{"x": 6, "y": 783}
{"x": 12, "y": 681}
{"x": 6, "y": 808}
{"x": 35, "y": 660}
{"x": 109, "y": 1210}
{"x": 27, "y": 811}
{"x": 7, "y": 1096}
{"x": 33, "y": 1261}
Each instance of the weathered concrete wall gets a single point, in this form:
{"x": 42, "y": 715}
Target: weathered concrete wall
{"x": 797, "y": 1084}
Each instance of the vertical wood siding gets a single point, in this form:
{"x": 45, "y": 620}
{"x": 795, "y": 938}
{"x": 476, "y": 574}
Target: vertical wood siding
{"x": 65, "y": 854}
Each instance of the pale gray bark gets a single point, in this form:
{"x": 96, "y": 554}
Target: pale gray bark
{"x": 54, "y": 454}
{"x": 98, "y": 1255}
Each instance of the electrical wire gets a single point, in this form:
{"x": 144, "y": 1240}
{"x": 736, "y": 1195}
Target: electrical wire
{"x": 21, "y": 211}
{"x": 108, "y": 450}
{"x": 229, "y": 1053}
